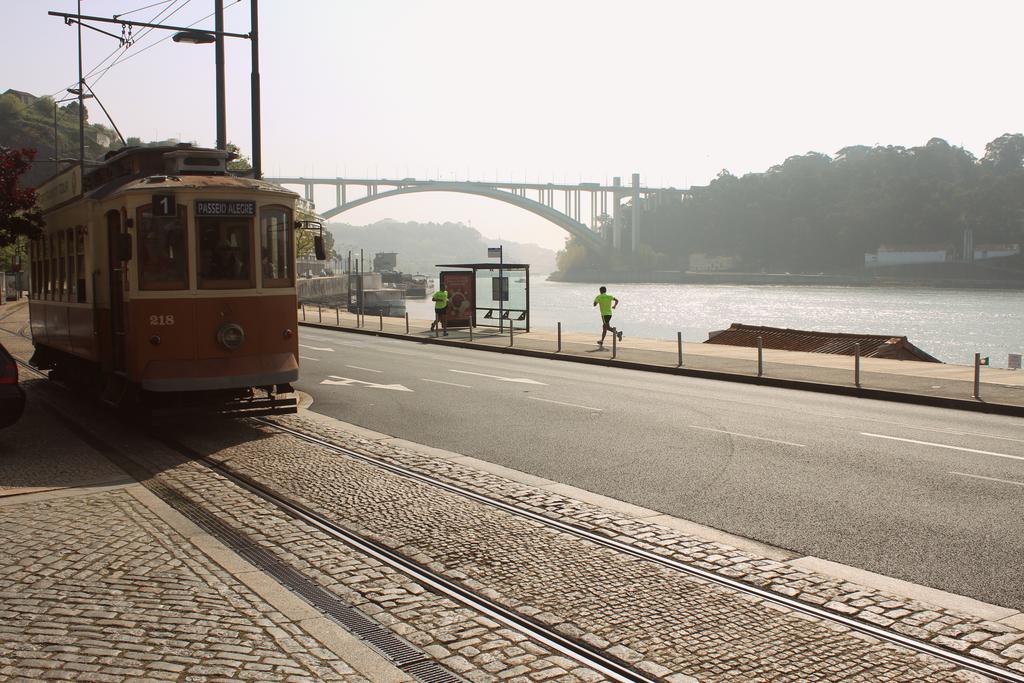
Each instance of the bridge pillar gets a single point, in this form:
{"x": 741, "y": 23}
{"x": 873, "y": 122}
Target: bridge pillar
{"x": 637, "y": 211}
{"x": 616, "y": 215}
{"x": 337, "y": 194}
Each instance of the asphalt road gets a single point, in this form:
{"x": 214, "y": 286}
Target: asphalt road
{"x": 928, "y": 495}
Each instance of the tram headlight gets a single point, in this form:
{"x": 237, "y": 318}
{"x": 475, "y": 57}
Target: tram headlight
{"x": 231, "y": 336}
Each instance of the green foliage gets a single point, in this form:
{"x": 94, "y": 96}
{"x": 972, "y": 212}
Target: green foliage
{"x": 31, "y": 126}
{"x": 813, "y": 213}
{"x": 242, "y": 163}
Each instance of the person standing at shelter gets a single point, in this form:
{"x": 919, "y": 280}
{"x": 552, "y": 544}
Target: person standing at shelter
{"x": 440, "y": 299}
{"x": 607, "y": 302}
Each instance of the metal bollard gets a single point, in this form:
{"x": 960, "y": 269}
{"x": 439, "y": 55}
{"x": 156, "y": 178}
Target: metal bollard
{"x": 679, "y": 345}
{"x": 510, "y": 340}
{"x": 471, "y": 330}
{"x": 382, "y": 321}
{"x": 337, "y": 316}
{"x": 760, "y": 357}
{"x": 856, "y": 364}
{"x": 407, "y": 322}
{"x": 977, "y": 376}
{"x": 614, "y": 345}
{"x": 303, "y": 311}
{"x": 361, "y": 320}
{"x": 319, "y": 313}
{"x": 559, "y": 349}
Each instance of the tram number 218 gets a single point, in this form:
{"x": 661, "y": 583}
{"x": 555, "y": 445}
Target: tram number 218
{"x": 161, "y": 320}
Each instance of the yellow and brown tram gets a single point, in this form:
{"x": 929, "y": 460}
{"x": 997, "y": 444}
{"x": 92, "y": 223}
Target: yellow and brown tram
{"x": 168, "y": 283}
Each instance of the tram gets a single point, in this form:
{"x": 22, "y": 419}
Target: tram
{"x": 168, "y": 284}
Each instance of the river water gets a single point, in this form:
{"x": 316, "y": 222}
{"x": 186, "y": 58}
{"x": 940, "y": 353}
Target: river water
{"x": 950, "y": 324}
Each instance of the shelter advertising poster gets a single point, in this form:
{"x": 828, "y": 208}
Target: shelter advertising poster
{"x": 461, "y": 301}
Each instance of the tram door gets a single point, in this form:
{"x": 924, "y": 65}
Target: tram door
{"x": 118, "y": 331}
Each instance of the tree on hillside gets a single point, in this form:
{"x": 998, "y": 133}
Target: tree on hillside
{"x": 1005, "y": 154}
{"x": 241, "y": 163}
{"x": 19, "y": 216}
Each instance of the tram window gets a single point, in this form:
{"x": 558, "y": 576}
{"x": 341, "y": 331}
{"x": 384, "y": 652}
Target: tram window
{"x": 51, "y": 251}
{"x": 225, "y": 253}
{"x": 71, "y": 290}
{"x": 80, "y": 263}
{"x": 162, "y": 254}
{"x": 276, "y": 242}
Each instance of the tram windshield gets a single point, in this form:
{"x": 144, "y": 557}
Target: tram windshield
{"x": 162, "y": 254}
{"x": 225, "y": 253}
{"x": 276, "y": 243}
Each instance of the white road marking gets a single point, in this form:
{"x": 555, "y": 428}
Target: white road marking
{"x": 520, "y": 380}
{"x": 316, "y": 348}
{"x": 749, "y": 436}
{"x": 356, "y": 367}
{"x": 451, "y": 384}
{"x": 563, "y": 403}
{"x": 347, "y": 382}
{"x": 308, "y": 358}
{"x": 942, "y": 445}
{"x": 978, "y": 476}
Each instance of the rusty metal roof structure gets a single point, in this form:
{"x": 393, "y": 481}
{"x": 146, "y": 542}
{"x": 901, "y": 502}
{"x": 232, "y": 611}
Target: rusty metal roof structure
{"x": 841, "y": 343}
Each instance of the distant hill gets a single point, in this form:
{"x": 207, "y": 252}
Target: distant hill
{"x": 27, "y": 121}
{"x": 421, "y": 246}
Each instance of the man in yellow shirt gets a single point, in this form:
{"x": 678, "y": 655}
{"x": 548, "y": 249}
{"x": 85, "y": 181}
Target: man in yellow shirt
{"x": 607, "y": 302}
{"x": 440, "y": 299}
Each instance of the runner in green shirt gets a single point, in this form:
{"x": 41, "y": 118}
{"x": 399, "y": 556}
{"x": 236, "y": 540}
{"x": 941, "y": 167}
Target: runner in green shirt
{"x": 440, "y": 299}
{"x": 607, "y": 302}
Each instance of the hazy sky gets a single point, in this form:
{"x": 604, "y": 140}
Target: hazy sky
{"x": 546, "y": 90}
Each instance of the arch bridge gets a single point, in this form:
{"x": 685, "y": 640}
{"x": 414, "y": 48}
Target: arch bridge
{"x": 562, "y": 204}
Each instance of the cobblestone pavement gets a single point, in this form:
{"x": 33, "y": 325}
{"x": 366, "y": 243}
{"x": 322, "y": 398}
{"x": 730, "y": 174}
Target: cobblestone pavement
{"x": 990, "y": 641}
{"x": 662, "y": 622}
{"x": 672, "y": 626}
{"x": 96, "y": 587}
{"x": 461, "y": 639}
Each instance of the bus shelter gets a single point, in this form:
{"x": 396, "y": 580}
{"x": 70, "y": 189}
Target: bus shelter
{"x": 487, "y": 294}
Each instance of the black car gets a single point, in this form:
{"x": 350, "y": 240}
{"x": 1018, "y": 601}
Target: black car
{"x": 12, "y": 396}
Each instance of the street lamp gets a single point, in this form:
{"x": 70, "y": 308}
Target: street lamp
{"x": 188, "y": 35}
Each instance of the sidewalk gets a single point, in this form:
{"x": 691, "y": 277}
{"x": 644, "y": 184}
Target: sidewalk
{"x": 100, "y": 580}
{"x": 941, "y": 384}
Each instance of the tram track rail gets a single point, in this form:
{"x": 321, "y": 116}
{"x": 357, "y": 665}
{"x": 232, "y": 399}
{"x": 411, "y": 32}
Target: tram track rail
{"x": 915, "y": 644}
{"x": 407, "y": 657}
{"x": 586, "y": 655}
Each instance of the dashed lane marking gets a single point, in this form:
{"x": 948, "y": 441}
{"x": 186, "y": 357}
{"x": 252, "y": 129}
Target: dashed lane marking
{"x": 749, "y": 436}
{"x": 308, "y": 358}
{"x": 563, "y": 403}
{"x": 356, "y": 367}
{"x": 520, "y": 380}
{"x": 978, "y": 476}
{"x": 451, "y": 384}
{"x": 942, "y": 445}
